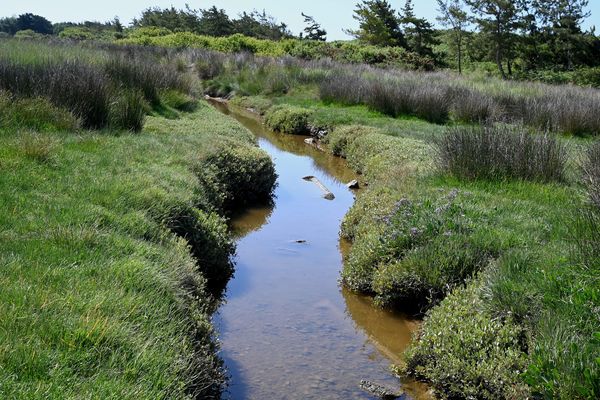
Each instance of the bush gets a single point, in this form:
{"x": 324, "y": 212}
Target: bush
{"x": 342, "y": 137}
{"x": 235, "y": 176}
{"x": 128, "y": 111}
{"x": 501, "y": 152}
{"x": 37, "y": 114}
{"x": 210, "y": 244}
{"x": 591, "y": 171}
{"x": 178, "y": 100}
{"x": 288, "y": 119}
{"x": 464, "y": 352}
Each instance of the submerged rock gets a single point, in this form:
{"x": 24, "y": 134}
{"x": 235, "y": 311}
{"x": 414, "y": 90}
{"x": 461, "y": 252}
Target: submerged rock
{"x": 380, "y": 391}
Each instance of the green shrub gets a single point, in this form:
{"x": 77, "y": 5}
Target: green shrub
{"x": 178, "y": 100}
{"x": 288, "y": 119}
{"x": 128, "y": 111}
{"x": 208, "y": 237}
{"x": 34, "y": 113}
{"x": 464, "y": 352}
{"x": 235, "y": 176}
{"x": 341, "y": 137}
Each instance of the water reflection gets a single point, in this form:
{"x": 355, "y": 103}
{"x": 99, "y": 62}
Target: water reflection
{"x": 287, "y": 329}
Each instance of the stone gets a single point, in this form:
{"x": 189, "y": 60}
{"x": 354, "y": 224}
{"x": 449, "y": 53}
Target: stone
{"x": 353, "y": 184}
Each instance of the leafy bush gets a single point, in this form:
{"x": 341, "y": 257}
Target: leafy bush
{"x": 128, "y": 111}
{"x": 235, "y": 176}
{"x": 591, "y": 171}
{"x": 342, "y": 137}
{"x": 501, "y": 152}
{"x": 288, "y": 119}
{"x": 464, "y": 352}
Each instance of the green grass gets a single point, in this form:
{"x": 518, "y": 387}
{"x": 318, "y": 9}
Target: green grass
{"x": 99, "y": 299}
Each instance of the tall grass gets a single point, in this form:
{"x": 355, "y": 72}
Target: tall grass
{"x": 95, "y": 85}
{"x": 591, "y": 171}
{"x": 501, "y": 152}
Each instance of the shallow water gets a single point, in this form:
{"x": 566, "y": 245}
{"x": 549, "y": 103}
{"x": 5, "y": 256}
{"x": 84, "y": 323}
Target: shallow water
{"x": 287, "y": 329}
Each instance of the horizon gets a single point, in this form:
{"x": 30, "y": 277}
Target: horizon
{"x": 328, "y": 14}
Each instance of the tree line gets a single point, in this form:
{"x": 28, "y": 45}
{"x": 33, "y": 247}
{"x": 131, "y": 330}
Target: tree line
{"x": 524, "y": 35}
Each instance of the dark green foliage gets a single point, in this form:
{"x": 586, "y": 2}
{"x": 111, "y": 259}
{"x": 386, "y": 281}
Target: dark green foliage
{"x": 288, "y": 119}
{"x": 378, "y": 24}
{"x": 33, "y": 22}
{"x": 313, "y": 30}
{"x": 210, "y": 244}
{"x": 128, "y": 111}
{"x": 178, "y": 100}
{"x": 464, "y": 352}
{"x": 501, "y": 152}
{"x": 234, "y": 177}
{"x": 215, "y": 22}
{"x": 591, "y": 170}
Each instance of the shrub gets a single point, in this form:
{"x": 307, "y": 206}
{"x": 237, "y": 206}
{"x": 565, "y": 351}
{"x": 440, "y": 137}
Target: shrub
{"x": 501, "y": 152}
{"x": 178, "y": 100}
{"x": 128, "y": 111}
{"x": 37, "y": 114}
{"x": 209, "y": 64}
{"x": 464, "y": 352}
{"x": 591, "y": 171}
{"x": 235, "y": 176}
{"x": 209, "y": 241}
{"x": 342, "y": 137}
{"x": 288, "y": 119}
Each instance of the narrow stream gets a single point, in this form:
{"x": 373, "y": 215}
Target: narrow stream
{"x": 288, "y": 330}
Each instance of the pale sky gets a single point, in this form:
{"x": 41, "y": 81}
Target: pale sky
{"x": 333, "y": 15}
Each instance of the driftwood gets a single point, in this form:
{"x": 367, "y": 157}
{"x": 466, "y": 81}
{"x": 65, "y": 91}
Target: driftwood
{"x": 353, "y": 184}
{"x": 327, "y": 193}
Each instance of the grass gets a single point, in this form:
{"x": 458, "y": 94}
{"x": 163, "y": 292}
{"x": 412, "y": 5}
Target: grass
{"x": 100, "y": 298}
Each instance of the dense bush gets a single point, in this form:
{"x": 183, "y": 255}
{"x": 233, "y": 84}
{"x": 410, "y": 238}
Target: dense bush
{"x": 464, "y": 352}
{"x": 288, "y": 119}
{"x": 178, "y": 100}
{"x": 208, "y": 237}
{"x": 235, "y": 176}
{"x": 501, "y": 152}
{"x": 342, "y": 137}
{"x": 592, "y": 173}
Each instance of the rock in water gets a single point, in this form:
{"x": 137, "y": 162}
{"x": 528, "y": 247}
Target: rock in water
{"x": 380, "y": 391}
{"x": 353, "y": 184}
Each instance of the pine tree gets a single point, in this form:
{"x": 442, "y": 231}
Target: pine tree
{"x": 313, "y": 30}
{"x": 378, "y": 24}
{"x": 420, "y": 35}
{"x": 453, "y": 15}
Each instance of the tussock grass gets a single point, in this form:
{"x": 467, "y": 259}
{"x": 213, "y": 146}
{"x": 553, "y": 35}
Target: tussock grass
{"x": 591, "y": 172}
{"x": 288, "y": 119}
{"x": 501, "y": 152}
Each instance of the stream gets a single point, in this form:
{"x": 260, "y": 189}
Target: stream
{"x": 287, "y": 329}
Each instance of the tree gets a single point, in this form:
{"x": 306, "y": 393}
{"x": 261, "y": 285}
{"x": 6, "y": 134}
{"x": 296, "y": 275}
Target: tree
{"x": 172, "y": 19}
{"x": 35, "y": 23}
{"x": 215, "y": 22}
{"x": 378, "y": 24}
{"x": 8, "y": 25}
{"x": 499, "y": 19}
{"x": 453, "y": 15}
{"x": 313, "y": 30}
{"x": 260, "y": 25}
{"x": 562, "y": 21}
{"x": 420, "y": 35}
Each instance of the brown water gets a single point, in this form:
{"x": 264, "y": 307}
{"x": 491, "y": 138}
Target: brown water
{"x": 288, "y": 330}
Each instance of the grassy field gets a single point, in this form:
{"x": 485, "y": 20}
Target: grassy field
{"x": 114, "y": 245}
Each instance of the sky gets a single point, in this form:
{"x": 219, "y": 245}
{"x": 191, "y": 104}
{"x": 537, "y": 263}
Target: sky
{"x": 333, "y": 15}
